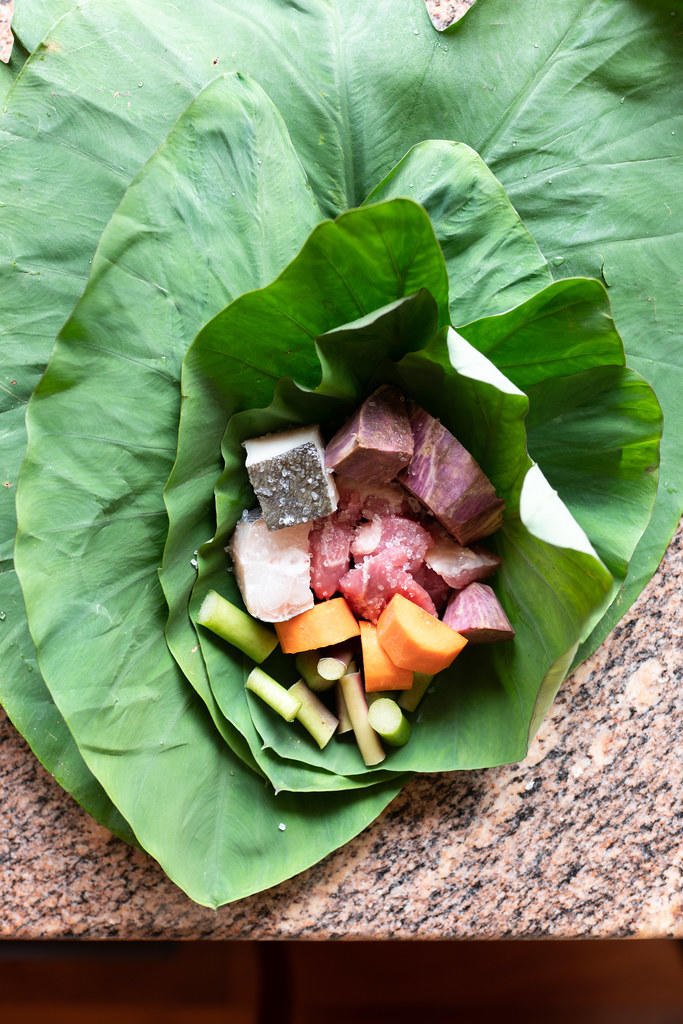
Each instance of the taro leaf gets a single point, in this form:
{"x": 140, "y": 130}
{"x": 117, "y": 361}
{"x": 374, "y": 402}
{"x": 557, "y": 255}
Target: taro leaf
{"x": 30, "y": 707}
{"x": 365, "y": 259}
{"x": 493, "y": 262}
{"x": 485, "y": 708}
{"x": 563, "y": 102}
{"x": 594, "y": 426}
{"x": 90, "y": 542}
{"x": 8, "y": 72}
{"x": 598, "y": 434}
{"x": 352, "y": 358}
{"x": 577, "y": 127}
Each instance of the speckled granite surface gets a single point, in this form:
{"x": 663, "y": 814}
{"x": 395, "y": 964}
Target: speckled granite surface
{"x": 581, "y": 839}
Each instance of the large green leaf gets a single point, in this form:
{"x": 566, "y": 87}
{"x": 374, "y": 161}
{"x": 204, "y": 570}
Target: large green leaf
{"x": 576, "y": 125}
{"x": 594, "y": 426}
{"x": 110, "y": 397}
{"x": 493, "y": 262}
{"x": 598, "y": 201}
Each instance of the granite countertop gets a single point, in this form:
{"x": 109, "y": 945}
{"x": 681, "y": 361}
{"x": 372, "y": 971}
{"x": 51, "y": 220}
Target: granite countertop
{"x": 580, "y": 839}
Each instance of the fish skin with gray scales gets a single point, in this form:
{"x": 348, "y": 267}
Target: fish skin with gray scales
{"x": 289, "y": 497}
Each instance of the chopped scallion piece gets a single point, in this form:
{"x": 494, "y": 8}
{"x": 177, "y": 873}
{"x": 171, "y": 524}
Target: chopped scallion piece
{"x": 387, "y": 719}
{"x": 410, "y": 699}
{"x": 307, "y": 665}
{"x": 371, "y": 697}
{"x": 273, "y": 694}
{"x": 335, "y": 663}
{"x": 313, "y": 714}
{"x": 232, "y": 624}
{"x": 354, "y": 697}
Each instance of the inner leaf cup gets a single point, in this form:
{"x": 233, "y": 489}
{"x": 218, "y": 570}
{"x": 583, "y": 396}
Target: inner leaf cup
{"x": 366, "y": 302}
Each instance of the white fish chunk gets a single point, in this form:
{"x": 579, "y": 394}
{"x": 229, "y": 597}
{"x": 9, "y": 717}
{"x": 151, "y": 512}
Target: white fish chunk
{"x": 272, "y": 569}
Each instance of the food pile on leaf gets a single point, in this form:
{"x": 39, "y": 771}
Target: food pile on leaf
{"x": 388, "y": 334}
{"x": 381, "y": 517}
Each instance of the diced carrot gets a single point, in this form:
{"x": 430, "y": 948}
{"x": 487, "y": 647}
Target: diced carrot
{"x": 324, "y": 624}
{"x": 416, "y": 640}
{"x": 379, "y": 671}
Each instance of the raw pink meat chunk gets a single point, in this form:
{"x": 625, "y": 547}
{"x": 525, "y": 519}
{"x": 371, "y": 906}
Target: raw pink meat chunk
{"x": 370, "y": 586}
{"x": 329, "y": 544}
{"x": 401, "y": 540}
{"x": 436, "y": 587}
{"x": 358, "y": 501}
{"x": 459, "y": 566}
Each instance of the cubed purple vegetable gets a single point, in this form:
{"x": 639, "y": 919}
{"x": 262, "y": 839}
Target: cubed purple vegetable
{"x": 476, "y": 613}
{"x": 445, "y": 477}
{"x": 376, "y": 443}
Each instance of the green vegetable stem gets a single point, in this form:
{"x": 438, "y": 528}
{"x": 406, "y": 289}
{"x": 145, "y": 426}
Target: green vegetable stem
{"x": 313, "y": 714}
{"x": 273, "y": 694}
{"x": 307, "y": 665}
{"x": 389, "y": 722}
{"x": 239, "y": 629}
{"x": 410, "y": 699}
{"x": 354, "y": 698}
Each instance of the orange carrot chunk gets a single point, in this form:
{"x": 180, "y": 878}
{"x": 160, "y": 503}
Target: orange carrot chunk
{"x": 324, "y": 624}
{"x": 378, "y": 669}
{"x": 416, "y": 640}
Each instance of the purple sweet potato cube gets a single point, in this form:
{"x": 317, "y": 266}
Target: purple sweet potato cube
{"x": 376, "y": 443}
{"x": 445, "y": 477}
{"x": 476, "y": 613}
